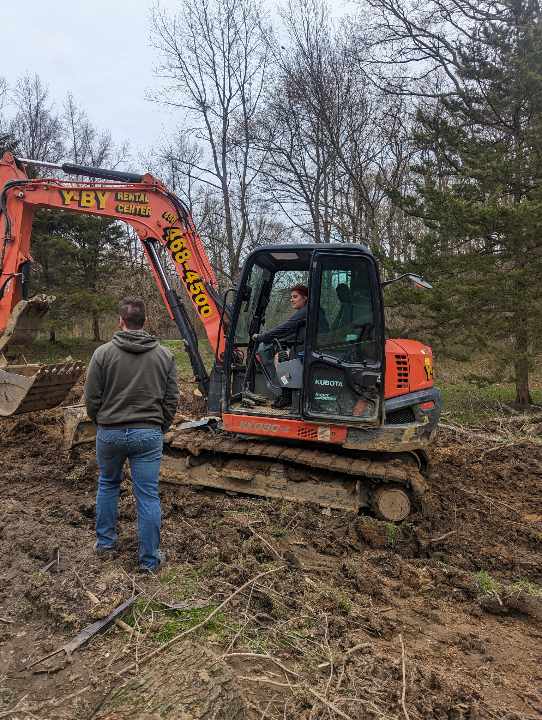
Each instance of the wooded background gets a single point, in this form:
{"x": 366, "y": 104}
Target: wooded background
{"x": 413, "y": 128}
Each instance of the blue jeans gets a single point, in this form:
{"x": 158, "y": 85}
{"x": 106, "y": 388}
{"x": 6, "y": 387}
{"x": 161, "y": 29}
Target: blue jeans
{"x": 143, "y": 448}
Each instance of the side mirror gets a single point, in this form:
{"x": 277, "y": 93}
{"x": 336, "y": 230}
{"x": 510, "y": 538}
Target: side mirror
{"x": 415, "y": 280}
{"x": 419, "y": 282}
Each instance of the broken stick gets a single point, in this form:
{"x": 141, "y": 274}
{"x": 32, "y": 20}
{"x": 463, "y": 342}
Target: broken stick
{"x": 87, "y": 633}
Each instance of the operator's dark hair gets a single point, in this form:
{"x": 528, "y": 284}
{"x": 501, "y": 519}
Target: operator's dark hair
{"x": 132, "y": 311}
{"x": 301, "y": 289}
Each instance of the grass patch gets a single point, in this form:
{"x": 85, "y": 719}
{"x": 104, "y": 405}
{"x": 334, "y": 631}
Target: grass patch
{"x": 186, "y": 619}
{"x": 527, "y": 587}
{"x": 162, "y": 624}
{"x": 392, "y": 533}
{"x": 486, "y": 584}
{"x": 183, "y": 361}
{"x": 183, "y": 581}
{"x": 470, "y": 393}
{"x": 468, "y": 404}
{"x": 42, "y": 351}
{"x": 277, "y": 531}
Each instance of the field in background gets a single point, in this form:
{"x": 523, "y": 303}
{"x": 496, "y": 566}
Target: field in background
{"x": 470, "y": 397}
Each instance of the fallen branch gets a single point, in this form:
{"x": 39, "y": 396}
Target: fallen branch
{"x": 469, "y": 433}
{"x": 180, "y": 636}
{"x": 489, "y": 500}
{"x": 263, "y": 657}
{"x": 54, "y": 561}
{"x": 442, "y": 537}
{"x": 265, "y": 542}
{"x": 403, "y": 692}
{"x": 328, "y": 704}
{"x": 351, "y": 651}
{"x": 14, "y": 709}
{"x": 267, "y": 681}
{"x": 518, "y": 601}
{"x": 87, "y": 633}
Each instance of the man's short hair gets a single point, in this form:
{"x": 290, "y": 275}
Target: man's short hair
{"x": 301, "y": 289}
{"x": 132, "y": 311}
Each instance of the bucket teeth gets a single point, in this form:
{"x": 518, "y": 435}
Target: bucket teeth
{"x": 32, "y": 388}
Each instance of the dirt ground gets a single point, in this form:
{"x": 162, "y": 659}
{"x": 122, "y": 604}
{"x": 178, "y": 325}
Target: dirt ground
{"x": 349, "y": 617}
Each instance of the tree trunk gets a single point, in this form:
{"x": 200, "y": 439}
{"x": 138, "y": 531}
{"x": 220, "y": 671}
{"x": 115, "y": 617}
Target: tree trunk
{"x": 521, "y": 366}
{"x": 96, "y": 327}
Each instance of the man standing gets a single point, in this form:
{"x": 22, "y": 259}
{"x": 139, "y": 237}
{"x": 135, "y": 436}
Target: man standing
{"x": 131, "y": 393}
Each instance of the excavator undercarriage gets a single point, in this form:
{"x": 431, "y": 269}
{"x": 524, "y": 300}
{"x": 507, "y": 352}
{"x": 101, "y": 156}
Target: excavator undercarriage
{"x": 198, "y": 453}
{"x": 389, "y": 486}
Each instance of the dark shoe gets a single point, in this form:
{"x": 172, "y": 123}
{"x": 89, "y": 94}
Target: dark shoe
{"x": 282, "y": 402}
{"x": 105, "y": 553}
{"x": 146, "y": 570}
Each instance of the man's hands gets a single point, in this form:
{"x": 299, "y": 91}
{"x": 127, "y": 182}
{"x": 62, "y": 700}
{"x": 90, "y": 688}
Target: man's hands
{"x": 255, "y": 337}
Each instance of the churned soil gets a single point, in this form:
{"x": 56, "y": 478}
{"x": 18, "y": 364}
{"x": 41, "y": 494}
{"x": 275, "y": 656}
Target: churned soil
{"x": 348, "y": 617}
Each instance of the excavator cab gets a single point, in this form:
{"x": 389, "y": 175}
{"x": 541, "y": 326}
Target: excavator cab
{"x": 334, "y": 369}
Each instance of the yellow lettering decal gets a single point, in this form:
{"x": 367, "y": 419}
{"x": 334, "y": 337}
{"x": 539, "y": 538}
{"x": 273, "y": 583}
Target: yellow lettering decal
{"x": 87, "y": 198}
{"x": 69, "y": 196}
{"x": 131, "y": 209}
{"x": 101, "y": 195}
{"x": 174, "y": 238}
{"x": 170, "y": 217}
{"x": 428, "y": 367}
{"x": 132, "y": 197}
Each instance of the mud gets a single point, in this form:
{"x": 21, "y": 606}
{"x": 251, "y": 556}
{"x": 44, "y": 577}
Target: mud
{"x": 351, "y": 603}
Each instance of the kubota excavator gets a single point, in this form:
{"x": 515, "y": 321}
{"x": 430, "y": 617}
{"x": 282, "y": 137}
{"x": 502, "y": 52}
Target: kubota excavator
{"x": 363, "y": 408}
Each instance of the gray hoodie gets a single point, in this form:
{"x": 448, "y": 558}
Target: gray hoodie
{"x": 132, "y": 381}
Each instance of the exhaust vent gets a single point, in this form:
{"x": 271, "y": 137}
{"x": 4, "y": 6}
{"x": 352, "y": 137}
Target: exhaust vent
{"x": 400, "y": 416}
{"x": 401, "y": 363}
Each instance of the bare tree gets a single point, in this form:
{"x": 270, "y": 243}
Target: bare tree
{"x": 7, "y": 141}
{"x": 35, "y": 124}
{"x": 336, "y": 146}
{"x": 215, "y": 61}
{"x": 85, "y": 144}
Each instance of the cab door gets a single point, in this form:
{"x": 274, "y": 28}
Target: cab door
{"x": 344, "y": 350}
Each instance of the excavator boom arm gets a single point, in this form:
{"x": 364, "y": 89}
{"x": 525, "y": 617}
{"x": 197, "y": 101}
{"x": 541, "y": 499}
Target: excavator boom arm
{"x": 158, "y": 217}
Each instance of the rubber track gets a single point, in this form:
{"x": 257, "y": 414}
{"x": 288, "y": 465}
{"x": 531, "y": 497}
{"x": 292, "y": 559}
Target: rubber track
{"x": 402, "y": 469}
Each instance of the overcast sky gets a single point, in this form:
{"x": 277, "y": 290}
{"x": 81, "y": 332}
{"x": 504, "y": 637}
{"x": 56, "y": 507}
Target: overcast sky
{"x": 100, "y": 51}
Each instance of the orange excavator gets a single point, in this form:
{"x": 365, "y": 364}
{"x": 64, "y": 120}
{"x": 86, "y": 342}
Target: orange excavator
{"x": 363, "y": 408}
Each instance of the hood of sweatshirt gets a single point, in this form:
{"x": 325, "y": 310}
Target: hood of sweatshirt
{"x": 134, "y": 341}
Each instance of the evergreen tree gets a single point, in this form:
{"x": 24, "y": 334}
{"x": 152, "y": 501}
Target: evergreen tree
{"x": 480, "y": 190}
{"x": 76, "y": 259}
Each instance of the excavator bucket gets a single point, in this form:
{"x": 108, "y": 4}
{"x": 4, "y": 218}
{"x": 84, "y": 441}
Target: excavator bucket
{"x": 28, "y": 388}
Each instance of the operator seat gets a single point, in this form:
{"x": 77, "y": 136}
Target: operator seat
{"x": 345, "y": 316}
